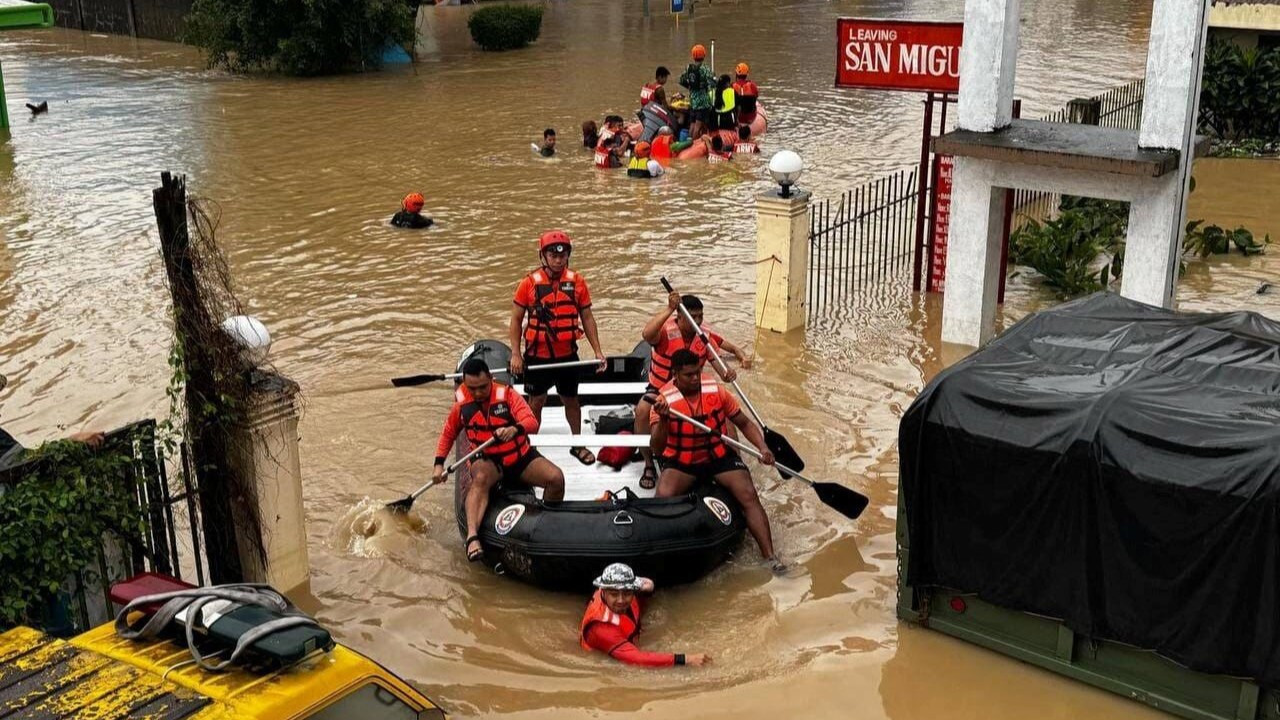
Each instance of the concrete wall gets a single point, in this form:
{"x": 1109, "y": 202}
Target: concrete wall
{"x": 157, "y": 19}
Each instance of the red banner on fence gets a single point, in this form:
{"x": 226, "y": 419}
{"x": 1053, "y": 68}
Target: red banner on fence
{"x": 941, "y": 222}
{"x": 898, "y": 54}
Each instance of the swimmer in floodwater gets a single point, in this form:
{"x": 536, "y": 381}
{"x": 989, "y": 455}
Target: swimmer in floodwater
{"x": 612, "y": 621}
{"x": 548, "y": 143}
{"x": 410, "y": 215}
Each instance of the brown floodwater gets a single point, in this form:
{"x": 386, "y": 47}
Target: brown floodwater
{"x": 307, "y": 172}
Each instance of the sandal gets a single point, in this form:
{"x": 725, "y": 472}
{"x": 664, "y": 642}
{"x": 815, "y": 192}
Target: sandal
{"x": 473, "y": 555}
{"x": 649, "y": 479}
{"x": 583, "y": 455}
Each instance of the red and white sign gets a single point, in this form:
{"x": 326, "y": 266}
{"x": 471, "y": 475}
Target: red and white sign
{"x": 941, "y": 222}
{"x": 898, "y": 54}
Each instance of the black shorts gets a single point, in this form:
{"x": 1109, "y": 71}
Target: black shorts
{"x": 539, "y": 382}
{"x": 731, "y": 461}
{"x": 650, "y": 394}
{"x": 509, "y": 476}
{"x": 706, "y": 115}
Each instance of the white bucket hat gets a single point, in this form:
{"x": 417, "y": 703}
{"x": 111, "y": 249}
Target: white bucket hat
{"x": 618, "y": 576}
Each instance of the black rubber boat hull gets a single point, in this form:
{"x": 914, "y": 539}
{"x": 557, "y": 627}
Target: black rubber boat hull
{"x": 564, "y": 547}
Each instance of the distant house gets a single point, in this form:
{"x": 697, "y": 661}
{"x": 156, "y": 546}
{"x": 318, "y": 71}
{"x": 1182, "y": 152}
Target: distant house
{"x": 1248, "y": 23}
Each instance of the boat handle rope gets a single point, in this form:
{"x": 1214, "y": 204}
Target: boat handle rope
{"x": 193, "y": 599}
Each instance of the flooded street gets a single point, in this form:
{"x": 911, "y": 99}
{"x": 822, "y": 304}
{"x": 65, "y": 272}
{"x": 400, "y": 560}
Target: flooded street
{"x": 307, "y": 173}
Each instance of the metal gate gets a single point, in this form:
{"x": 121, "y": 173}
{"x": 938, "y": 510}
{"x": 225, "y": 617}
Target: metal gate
{"x": 864, "y": 236}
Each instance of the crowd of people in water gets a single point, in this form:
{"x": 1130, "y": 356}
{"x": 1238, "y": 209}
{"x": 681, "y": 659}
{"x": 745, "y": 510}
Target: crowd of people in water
{"x": 716, "y": 111}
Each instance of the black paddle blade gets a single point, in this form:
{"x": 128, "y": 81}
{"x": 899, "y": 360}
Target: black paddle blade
{"x": 849, "y": 503}
{"x": 783, "y": 453}
{"x": 401, "y": 506}
{"x": 411, "y": 380}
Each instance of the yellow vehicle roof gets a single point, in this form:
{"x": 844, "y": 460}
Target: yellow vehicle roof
{"x": 99, "y": 675}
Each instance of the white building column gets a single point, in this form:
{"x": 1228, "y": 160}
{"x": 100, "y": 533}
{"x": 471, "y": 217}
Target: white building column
{"x": 782, "y": 252}
{"x": 973, "y": 254}
{"x": 988, "y": 63}
{"x": 1157, "y": 221}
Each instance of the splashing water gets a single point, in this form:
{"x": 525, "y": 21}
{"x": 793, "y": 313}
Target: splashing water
{"x": 370, "y": 530}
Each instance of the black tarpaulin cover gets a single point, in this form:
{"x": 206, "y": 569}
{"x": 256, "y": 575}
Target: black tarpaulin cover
{"x": 1114, "y": 465}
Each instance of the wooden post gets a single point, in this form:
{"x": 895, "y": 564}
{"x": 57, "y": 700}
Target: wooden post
{"x": 208, "y": 442}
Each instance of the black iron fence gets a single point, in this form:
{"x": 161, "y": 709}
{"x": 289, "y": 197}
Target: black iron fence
{"x": 862, "y": 237}
{"x": 1119, "y": 107}
{"x": 171, "y": 541}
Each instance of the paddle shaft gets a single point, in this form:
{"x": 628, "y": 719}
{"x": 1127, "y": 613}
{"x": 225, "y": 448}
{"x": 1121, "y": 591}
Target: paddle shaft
{"x": 456, "y": 464}
{"x": 715, "y": 355}
{"x": 734, "y": 443}
{"x": 531, "y": 368}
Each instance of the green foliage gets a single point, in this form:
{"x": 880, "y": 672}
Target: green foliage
{"x": 1240, "y": 93}
{"x": 54, "y": 512}
{"x": 1205, "y": 240}
{"x": 298, "y": 37}
{"x": 1080, "y": 251}
{"x": 505, "y": 27}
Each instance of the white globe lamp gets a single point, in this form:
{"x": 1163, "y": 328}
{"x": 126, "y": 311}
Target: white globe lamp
{"x": 251, "y": 335}
{"x": 785, "y": 167}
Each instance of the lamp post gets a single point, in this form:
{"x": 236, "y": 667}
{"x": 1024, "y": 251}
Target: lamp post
{"x": 785, "y": 167}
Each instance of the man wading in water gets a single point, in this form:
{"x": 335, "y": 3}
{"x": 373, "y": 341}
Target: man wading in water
{"x": 612, "y": 621}
{"x": 557, "y": 304}
{"x": 483, "y": 409}
{"x": 688, "y": 453}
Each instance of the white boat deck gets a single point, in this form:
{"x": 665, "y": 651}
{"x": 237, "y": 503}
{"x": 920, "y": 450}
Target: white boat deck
{"x": 588, "y": 482}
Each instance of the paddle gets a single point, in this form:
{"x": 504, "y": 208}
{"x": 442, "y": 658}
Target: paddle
{"x": 843, "y": 500}
{"x": 779, "y": 445}
{"x": 402, "y": 505}
{"x": 411, "y": 380}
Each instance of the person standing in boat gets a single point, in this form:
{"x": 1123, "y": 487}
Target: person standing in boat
{"x": 689, "y": 453}
{"x": 701, "y": 83}
{"x": 552, "y": 310}
{"x": 482, "y": 409}
{"x": 612, "y": 621}
{"x": 666, "y": 332}
{"x": 747, "y": 94}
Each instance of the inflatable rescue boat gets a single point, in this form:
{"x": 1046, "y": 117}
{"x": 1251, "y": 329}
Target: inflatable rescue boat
{"x": 699, "y": 149}
{"x": 606, "y": 516}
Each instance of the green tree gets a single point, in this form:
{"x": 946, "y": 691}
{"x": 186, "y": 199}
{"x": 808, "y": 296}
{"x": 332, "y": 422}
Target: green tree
{"x": 298, "y": 37}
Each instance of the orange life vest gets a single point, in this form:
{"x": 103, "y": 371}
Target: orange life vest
{"x": 646, "y": 93}
{"x": 747, "y": 93}
{"x": 686, "y": 444}
{"x": 603, "y": 158}
{"x": 661, "y": 148}
{"x": 479, "y": 422}
{"x": 553, "y": 319}
{"x": 660, "y": 363}
{"x": 599, "y": 612}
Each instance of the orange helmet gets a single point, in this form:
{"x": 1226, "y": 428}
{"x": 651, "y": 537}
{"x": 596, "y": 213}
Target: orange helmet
{"x": 742, "y": 69}
{"x": 413, "y": 202}
{"x": 557, "y": 240}
{"x": 642, "y": 149}
{"x": 698, "y": 52}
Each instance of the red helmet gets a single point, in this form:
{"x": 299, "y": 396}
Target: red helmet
{"x": 413, "y": 202}
{"x": 553, "y": 238}
{"x": 698, "y": 52}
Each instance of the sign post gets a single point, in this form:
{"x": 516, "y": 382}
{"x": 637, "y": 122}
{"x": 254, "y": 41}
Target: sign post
{"x": 912, "y": 56}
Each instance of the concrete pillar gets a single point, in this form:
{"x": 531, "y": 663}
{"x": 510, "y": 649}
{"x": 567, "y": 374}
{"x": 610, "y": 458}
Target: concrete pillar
{"x": 782, "y": 232}
{"x": 973, "y": 254}
{"x": 1157, "y": 221}
{"x": 268, "y": 455}
{"x": 988, "y": 61}
{"x": 1153, "y": 243}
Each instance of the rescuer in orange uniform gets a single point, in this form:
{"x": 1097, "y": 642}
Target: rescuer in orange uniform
{"x": 612, "y": 621}
{"x": 482, "y": 409}
{"x": 552, "y": 310}
{"x": 666, "y": 332}
{"x": 689, "y": 453}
